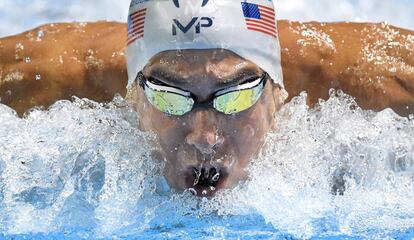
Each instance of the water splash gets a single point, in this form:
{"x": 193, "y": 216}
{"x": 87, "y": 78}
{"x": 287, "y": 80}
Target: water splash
{"x": 84, "y": 169}
{"x": 68, "y": 167}
{"x": 292, "y": 183}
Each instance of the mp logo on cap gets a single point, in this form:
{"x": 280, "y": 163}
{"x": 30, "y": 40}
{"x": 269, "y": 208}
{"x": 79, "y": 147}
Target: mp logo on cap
{"x": 196, "y": 22}
{"x": 177, "y": 3}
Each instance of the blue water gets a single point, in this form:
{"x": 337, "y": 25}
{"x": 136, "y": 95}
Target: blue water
{"x": 82, "y": 170}
{"x": 215, "y": 227}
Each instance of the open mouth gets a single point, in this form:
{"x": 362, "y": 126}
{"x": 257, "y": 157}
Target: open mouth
{"x": 206, "y": 181}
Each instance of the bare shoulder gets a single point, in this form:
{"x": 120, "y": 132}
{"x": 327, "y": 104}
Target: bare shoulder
{"x": 374, "y": 62}
{"x": 56, "y": 61}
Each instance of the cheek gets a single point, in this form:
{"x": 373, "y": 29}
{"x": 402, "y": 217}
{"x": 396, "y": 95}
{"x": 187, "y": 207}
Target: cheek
{"x": 170, "y": 130}
{"x": 248, "y": 130}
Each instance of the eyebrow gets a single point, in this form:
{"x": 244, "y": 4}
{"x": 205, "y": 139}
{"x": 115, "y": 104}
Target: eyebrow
{"x": 174, "y": 80}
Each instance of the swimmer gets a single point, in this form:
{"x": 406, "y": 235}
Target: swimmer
{"x": 206, "y": 76}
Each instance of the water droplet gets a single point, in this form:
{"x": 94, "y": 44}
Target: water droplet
{"x": 179, "y": 53}
{"x": 38, "y": 77}
{"x": 216, "y": 177}
{"x": 27, "y": 60}
{"x": 40, "y": 35}
{"x": 18, "y": 51}
{"x": 204, "y": 192}
{"x": 197, "y": 176}
{"x": 193, "y": 191}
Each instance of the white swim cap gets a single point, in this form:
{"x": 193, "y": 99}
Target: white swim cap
{"x": 248, "y": 28}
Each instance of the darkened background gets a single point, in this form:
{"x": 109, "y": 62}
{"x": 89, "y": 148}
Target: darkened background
{"x": 20, "y": 15}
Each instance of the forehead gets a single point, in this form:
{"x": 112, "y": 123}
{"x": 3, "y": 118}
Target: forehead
{"x": 183, "y": 65}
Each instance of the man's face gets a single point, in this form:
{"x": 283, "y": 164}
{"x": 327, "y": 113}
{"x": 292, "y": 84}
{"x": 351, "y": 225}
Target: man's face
{"x": 205, "y": 150}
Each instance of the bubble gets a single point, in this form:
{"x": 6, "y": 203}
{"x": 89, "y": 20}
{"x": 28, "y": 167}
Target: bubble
{"x": 216, "y": 177}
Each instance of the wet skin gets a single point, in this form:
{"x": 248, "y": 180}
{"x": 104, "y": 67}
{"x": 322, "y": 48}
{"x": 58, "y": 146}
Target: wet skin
{"x": 205, "y": 150}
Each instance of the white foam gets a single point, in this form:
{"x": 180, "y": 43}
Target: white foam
{"x": 85, "y": 165}
{"x": 291, "y": 183}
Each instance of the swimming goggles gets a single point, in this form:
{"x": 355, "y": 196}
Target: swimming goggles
{"x": 178, "y": 102}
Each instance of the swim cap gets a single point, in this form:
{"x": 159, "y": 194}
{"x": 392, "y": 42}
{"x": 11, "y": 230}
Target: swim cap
{"x": 248, "y": 28}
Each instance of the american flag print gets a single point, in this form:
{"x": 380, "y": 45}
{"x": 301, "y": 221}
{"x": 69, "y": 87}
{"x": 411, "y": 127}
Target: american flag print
{"x": 260, "y": 18}
{"x": 136, "y": 23}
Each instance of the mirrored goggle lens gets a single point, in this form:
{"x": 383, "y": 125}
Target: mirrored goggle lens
{"x": 238, "y": 101}
{"x": 170, "y": 103}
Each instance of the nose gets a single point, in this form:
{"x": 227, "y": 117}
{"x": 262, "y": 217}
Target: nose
{"x": 204, "y": 141}
{"x": 204, "y": 133}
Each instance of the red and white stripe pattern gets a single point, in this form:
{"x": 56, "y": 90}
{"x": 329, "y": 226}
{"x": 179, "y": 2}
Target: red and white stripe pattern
{"x": 260, "y": 18}
{"x": 136, "y": 23}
